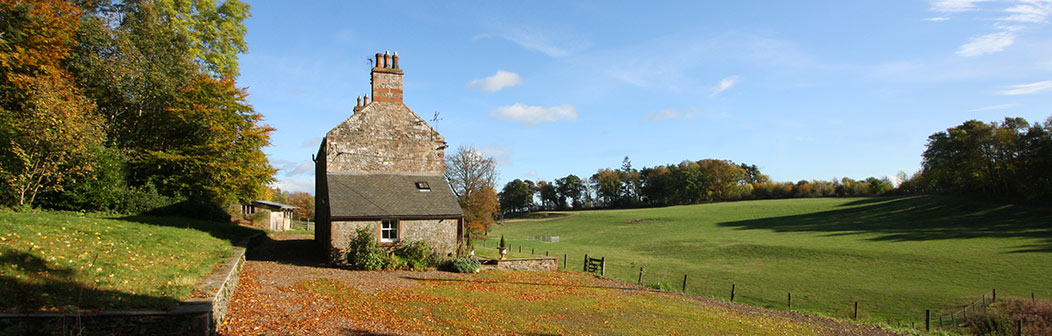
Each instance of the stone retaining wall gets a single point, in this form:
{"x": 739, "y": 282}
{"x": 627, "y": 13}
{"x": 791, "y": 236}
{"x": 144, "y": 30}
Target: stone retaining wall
{"x": 529, "y": 264}
{"x": 195, "y": 316}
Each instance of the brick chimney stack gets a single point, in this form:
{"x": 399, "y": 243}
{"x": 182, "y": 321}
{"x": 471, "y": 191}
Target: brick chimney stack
{"x": 387, "y": 79}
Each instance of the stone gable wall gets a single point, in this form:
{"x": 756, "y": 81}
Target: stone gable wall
{"x": 384, "y": 138}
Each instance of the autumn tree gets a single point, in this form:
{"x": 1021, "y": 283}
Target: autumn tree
{"x": 47, "y": 127}
{"x": 469, "y": 172}
{"x": 305, "y": 204}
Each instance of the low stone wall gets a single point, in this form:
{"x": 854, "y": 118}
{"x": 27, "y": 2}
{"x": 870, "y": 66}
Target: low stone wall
{"x": 529, "y": 264}
{"x": 195, "y": 316}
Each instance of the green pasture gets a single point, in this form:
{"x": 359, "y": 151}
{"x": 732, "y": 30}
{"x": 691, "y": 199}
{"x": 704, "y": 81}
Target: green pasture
{"x": 895, "y": 256}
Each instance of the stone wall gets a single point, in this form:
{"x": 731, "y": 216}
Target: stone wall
{"x": 529, "y": 264}
{"x": 384, "y": 138}
{"x": 440, "y": 234}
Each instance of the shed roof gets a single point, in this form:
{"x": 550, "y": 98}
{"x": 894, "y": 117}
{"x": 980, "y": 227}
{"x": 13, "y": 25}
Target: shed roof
{"x": 382, "y": 195}
{"x": 274, "y": 205}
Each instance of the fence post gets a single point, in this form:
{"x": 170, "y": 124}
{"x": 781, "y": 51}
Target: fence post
{"x": 789, "y": 302}
{"x": 953, "y": 319}
{"x": 545, "y": 253}
{"x": 993, "y": 297}
{"x": 520, "y": 248}
{"x": 684, "y": 283}
{"x": 1019, "y": 327}
{"x": 940, "y": 321}
{"x": 602, "y": 266}
{"x": 532, "y": 250}
{"x": 564, "y": 261}
{"x": 732, "y": 292}
{"x": 586, "y": 262}
{"x": 640, "y": 281}
{"x": 855, "y": 316}
{"x": 927, "y": 320}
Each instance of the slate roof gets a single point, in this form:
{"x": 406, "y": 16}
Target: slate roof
{"x": 379, "y": 195}
{"x": 275, "y": 205}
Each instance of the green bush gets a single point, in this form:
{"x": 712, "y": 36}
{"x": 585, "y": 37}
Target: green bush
{"x": 461, "y": 265}
{"x": 417, "y": 255}
{"x": 662, "y": 286}
{"x": 364, "y": 254}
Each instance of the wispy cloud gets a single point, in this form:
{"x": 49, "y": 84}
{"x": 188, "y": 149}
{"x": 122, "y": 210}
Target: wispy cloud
{"x": 953, "y": 6}
{"x": 937, "y": 18}
{"x": 304, "y": 168}
{"x": 497, "y": 82}
{"x": 986, "y": 44}
{"x": 545, "y": 40}
{"x": 725, "y": 84}
{"x": 501, "y": 155}
{"x": 530, "y": 116}
{"x": 667, "y": 114}
{"x": 311, "y": 143}
{"x": 1024, "y": 89}
{"x": 295, "y": 184}
{"x": 993, "y": 107}
{"x": 1018, "y": 16}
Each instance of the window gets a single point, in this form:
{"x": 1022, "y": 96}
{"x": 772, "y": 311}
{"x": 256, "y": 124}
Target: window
{"x": 423, "y": 186}
{"x": 389, "y": 231}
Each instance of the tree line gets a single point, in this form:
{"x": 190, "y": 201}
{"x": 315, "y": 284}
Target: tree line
{"x": 126, "y": 105}
{"x": 689, "y": 182}
{"x": 1003, "y": 161}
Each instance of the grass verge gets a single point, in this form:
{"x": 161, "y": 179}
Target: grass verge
{"x": 55, "y": 261}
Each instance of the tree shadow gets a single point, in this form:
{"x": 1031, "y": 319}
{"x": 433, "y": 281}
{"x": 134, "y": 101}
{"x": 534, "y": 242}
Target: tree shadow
{"x": 299, "y": 252}
{"x": 35, "y": 286}
{"x": 228, "y": 231}
{"x": 919, "y": 218}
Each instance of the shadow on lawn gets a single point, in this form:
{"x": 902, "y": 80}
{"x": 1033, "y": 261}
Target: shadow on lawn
{"x": 45, "y": 287}
{"x": 919, "y": 218}
{"x": 230, "y": 232}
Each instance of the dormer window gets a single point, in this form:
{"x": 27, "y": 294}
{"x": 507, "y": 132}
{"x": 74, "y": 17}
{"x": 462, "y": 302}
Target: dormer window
{"x": 423, "y": 186}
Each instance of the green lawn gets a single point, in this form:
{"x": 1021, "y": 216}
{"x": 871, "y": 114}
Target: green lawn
{"x": 64, "y": 260}
{"x": 895, "y": 256}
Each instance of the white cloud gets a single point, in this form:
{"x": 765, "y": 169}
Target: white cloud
{"x": 993, "y": 107}
{"x": 295, "y": 184}
{"x": 532, "y": 115}
{"x": 725, "y": 84}
{"x": 498, "y": 154}
{"x": 311, "y": 143}
{"x": 1023, "y": 89}
{"x": 1032, "y": 12}
{"x": 532, "y": 173}
{"x": 986, "y": 44}
{"x": 305, "y": 167}
{"x": 668, "y": 114}
{"x": 937, "y": 18}
{"x": 497, "y": 82}
{"x": 952, "y": 6}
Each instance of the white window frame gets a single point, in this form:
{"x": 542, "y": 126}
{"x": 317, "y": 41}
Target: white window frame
{"x": 389, "y": 226}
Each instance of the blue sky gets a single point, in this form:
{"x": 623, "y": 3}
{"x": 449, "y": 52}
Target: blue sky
{"x": 803, "y": 89}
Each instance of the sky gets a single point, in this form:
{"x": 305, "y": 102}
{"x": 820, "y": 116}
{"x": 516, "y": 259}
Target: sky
{"x": 803, "y": 89}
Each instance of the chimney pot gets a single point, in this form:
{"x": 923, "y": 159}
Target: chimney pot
{"x": 379, "y": 60}
{"x": 366, "y": 99}
{"x": 387, "y": 59}
{"x": 359, "y": 101}
{"x": 394, "y": 60}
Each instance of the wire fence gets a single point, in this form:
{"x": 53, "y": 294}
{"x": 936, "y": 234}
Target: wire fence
{"x": 726, "y": 289}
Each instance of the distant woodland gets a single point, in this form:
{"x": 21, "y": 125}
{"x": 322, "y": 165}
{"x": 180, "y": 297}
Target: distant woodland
{"x": 127, "y": 106}
{"x": 1008, "y": 161}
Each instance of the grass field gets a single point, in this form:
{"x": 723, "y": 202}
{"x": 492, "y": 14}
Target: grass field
{"x": 895, "y": 256}
{"x": 64, "y": 260}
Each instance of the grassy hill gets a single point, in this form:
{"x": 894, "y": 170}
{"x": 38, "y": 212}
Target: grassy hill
{"x": 64, "y": 260}
{"x": 895, "y": 256}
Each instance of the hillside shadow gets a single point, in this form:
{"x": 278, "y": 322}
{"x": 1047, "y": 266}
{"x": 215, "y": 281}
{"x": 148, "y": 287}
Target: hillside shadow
{"x": 230, "y": 232}
{"x": 918, "y": 218}
{"x": 35, "y": 286}
{"x": 299, "y": 252}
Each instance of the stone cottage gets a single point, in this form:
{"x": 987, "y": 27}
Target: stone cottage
{"x": 383, "y": 169}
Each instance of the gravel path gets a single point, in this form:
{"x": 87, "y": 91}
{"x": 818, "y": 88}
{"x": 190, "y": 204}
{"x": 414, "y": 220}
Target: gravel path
{"x": 267, "y": 303}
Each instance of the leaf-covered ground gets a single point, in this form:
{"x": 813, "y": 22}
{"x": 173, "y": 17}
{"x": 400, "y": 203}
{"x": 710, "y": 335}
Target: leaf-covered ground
{"x": 282, "y": 291}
